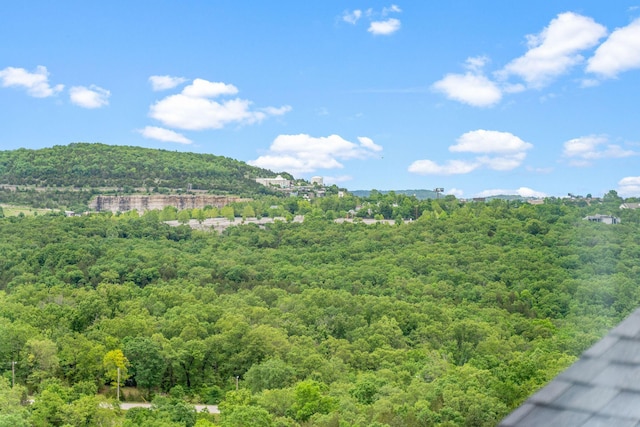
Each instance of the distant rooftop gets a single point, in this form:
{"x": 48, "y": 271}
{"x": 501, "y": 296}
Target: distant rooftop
{"x": 601, "y": 389}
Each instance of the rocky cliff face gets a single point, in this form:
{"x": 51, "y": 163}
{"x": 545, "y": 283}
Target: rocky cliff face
{"x": 146, "y": 203}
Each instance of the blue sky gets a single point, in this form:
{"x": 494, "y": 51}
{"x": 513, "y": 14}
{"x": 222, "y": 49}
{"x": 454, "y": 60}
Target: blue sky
{"x": 479, "y": 97}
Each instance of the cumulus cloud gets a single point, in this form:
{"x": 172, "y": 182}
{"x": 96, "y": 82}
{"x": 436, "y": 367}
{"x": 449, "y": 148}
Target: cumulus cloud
{"x": 502, "y": 151}
{"x": 551, "y": 53}
{"x": 489, "y": 141}
{"x": 89, "y": 97}
{"x": 379, "y": 22}
{"x": 35, "y": 83}
{"x": 620, "y": 52}
{"x": 473, "y": 87}
{"x": 522, "y": 192}
{"x": 583, "y": 150}
{"x": 201, "y": 88}
{"x": 352, "y": 17}
{"x": 452, "y": 167}
{"x": 165, "y": 82}
{"x": 629, "y": 186}
{"x": 556, "y": 49}
{"x": 369, "y": 144}
{"x": 384, "y": 28}
{"x": 303, "y": 153}
{"x": 165, "y": 135}
{"x": 475, "y": 90}
{"x": 193, "y": 108}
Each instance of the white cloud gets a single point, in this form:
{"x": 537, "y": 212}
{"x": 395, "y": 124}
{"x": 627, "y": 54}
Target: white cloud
{"x": 452, "y": 167}
{"x": 384, "y": 28}
{"x": 273, "y": 111}
{"x": 620, "y": 52}
{"x": 391, "y": 9}
{"x": 352, "y": 17}
{"x": 455, "y": 192}
{"x": 165, "y": 82}
{"x": 184, "y": 112}
{"x": 507, "y": 150}
{"x": 201, "y": 88}
{"x": 473, "y": 89}
{"x": 476, "y": 63}
{"x": 166, "y": 135}
{"x": 330, "y": 180}
{"x": 35, "y": 83}
{"x": 556, "y": 49}
{"x": 586, "y": 148}
{"x": 503, "y": 163}
{"x": 629, "y": 186}
{"x": 369, "y": 144}
{"x": 89, "y": 97}
{"x": 490, "y": 141}
{"x": 522, "y": 192}
{"x": 193, "y": 110}
{"x": 379, "y": 23}
{"x": 303, "y": 153}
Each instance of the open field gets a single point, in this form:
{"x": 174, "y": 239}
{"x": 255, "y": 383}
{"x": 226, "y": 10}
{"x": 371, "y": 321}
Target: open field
{"x": 13, "y": 210}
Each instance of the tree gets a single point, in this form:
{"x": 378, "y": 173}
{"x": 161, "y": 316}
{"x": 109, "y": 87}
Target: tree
{"x": 273, "y": 373}
{"x": 80, "y": 358}
{"x": 113, "y": 361}
{"x": 228, "y": 212}
{"x": 248, "y": 211}
{"x": 147, "y": 363}
{"x": 309, "y": 400}
{"x": 184, "y": 216}
{"x": 12, "y": 412}
{"x": 42, "y": 360}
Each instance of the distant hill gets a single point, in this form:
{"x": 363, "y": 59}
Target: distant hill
{"x": 93, "y": 165}
{"x": 429, "y": 194}
{"x": 420, "y": 194}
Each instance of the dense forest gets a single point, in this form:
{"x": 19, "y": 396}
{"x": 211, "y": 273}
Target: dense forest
{"x": 452, "y": 319}
{"x": 90, "y": 166}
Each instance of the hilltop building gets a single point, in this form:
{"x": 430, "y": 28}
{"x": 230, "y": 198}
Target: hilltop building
{"x": 605, "y": 219}
{"x": 278, "y": 181}
{"x": 630, "y": 206}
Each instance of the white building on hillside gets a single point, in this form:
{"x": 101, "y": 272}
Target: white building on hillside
{"x": 278, "y": 181}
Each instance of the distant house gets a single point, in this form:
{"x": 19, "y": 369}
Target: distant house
{"x": 278, "y": 181}
{"x": 630, "y": 206}
{"x": 605, "y": 219}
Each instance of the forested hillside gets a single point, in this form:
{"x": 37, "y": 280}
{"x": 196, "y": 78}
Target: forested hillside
{"x": 452, "y": 319}
{"x": 87, "y": 165}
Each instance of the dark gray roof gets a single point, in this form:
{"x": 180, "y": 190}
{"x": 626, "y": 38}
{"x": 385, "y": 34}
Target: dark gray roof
{"x": 601, "y": 389}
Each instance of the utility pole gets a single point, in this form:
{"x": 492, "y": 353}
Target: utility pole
{"x": 237, "y": 379}
{"x": 118, "y": 390}
{"x": 13, "y": 374}
{"x": 438, "y": 191}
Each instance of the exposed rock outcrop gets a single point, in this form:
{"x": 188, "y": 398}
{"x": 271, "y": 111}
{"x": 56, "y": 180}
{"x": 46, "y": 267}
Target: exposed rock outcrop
{"x": 145, "y": 203}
